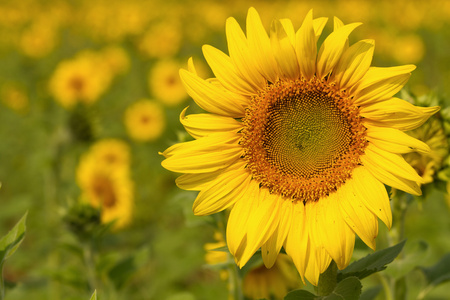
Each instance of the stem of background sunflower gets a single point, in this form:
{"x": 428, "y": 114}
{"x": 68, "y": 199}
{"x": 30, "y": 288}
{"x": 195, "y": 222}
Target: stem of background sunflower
{"x": 90, "y": 265}
{"x": 327, "y": 280}
{"x": 2, "y": 283}
{"x": 235, "y": 284}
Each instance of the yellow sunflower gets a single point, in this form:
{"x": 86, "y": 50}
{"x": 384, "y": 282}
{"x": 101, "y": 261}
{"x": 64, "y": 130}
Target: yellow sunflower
{"x": 111, "y": 152}
{"x": 274, "y": 283}
{"x": 107, "y": 187}
{"x": 298, "y": 141}
{"x": 165, "y": 84}
{"x": 145, "y": 120}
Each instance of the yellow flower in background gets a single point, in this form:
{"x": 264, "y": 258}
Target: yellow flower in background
{"x": 427, "y": 164}
{"x": 111, "y": 152}
{"x": 108, "y": 187}
{"x": 82, "y": 79}
{"x": 214, "y": 257}
{"x": 14, "y": 97}
{"x": 145, "y": 120}
{"x": 409, "y": 48}
{"x": 161, "y": 40}
{"x": 39, "y": 39}
{"x": 273, "y": 283}
{"x": 165, "y": 83}
{"x": 116, "y": 59}
{"x": 298, "y": 141}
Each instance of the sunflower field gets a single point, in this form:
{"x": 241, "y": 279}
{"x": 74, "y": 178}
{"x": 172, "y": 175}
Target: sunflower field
{"x": 184, "y": 150}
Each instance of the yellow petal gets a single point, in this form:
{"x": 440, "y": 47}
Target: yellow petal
{"x": 306, "y": 47}
{"x": 337, "y": 23}
{"x": 238, "y": 219}
{"x": 259, "y": 45}
{"x": 391, "y": 162}
{"x": 386, "y": 177}
{"x": 354, "y": 63}
{"x": 331, "y": 231}
{"x": 201, "y": 125}
{"x": 222, "y": 193}
{"x": 373, "y": 194}
{"x": 241, "y": 56}
{"x": 380, "y": 84}
{"x": 289, "y": 29}
{"x": 213, "y": 142}
{"x": 332, "y": 48}
{"x": 394, "y": 140}
{"x": 225, "y": 71}
{"x": 356, "y": 214}
{"x": 273, "y": 245}
{"x": 207, "y": 154}
{"x": 397, "y": 113}
{"x": 297, "y": 240}
{"x": 262, "y": 223}
{"x": 191, "y": 67}
{"x": 200, "y": 181}
{"x": 284, "y": 51}
{"x": 318, "y": 25}
{"x": 210, "y": 97}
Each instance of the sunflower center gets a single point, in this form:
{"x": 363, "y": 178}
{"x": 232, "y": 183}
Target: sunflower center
{"x": 302, "y": 139}
{"x": 104, "y": 191}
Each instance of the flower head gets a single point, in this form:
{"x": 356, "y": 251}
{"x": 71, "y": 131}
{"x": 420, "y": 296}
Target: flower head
{"x": 104, "y": 179}
{"x": 145, "y": 120}
{"x": 298, "y": 141}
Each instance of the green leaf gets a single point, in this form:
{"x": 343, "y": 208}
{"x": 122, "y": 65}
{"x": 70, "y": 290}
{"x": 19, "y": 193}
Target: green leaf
{"x": 371, "y": 293}
{"x": 300, "y": 295}
{"x": 127, "y": 267}
{"x": 94, "y": 295}
{"x": 414, "y": 253}
{"x": 439, "y": 272}
{"x": 372, "y": 263}
{"x": 347, "y": 289}
{"x": 10, "y": 242}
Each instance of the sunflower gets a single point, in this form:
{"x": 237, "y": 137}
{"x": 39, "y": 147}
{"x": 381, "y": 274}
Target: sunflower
{"x": 297, "y": 142}
{"x": 273, "y": 283}
{"x": 111, "y": 152}
{"x": 81, "y": 79}
{"x": 106, "y": 186}
{"x": 165, "y": 84}
{"x": 145, "y": 120}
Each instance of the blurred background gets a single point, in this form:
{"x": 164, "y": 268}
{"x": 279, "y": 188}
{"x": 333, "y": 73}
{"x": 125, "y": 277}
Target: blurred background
{"x": 90, "y": 94}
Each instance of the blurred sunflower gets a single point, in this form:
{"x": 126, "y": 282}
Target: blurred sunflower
{"x": 274, "y": 283}
{"x": 82, "y": 79}
{"x": 108, "y": 188}
{"x": 297, "y": 142}
{"x": 14, "y": 97}
{"x": 145, "y": 120}
{"x": 111, "y": 152}
{"x": 165, "y": 83}
{"x": 116, "y": 59}
{"x": 215, "y": 257}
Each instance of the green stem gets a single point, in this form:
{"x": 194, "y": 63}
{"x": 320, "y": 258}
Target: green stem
{"x": 386, "y": 287}
{"x": 90, "y": 267}
{"x": 2, "y": 283}
{"x": 235, "y": 283}
{"x": 328, "y": 280}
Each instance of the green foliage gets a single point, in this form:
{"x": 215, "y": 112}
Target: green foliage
{"x": 94, "y": 295}
{"x": 438, "y": 273}
{"x": 372, "y": 263}
{"x": 347, "y": 289}
{"x": 370, "y": 293}
{"x": 10, "y": 242}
